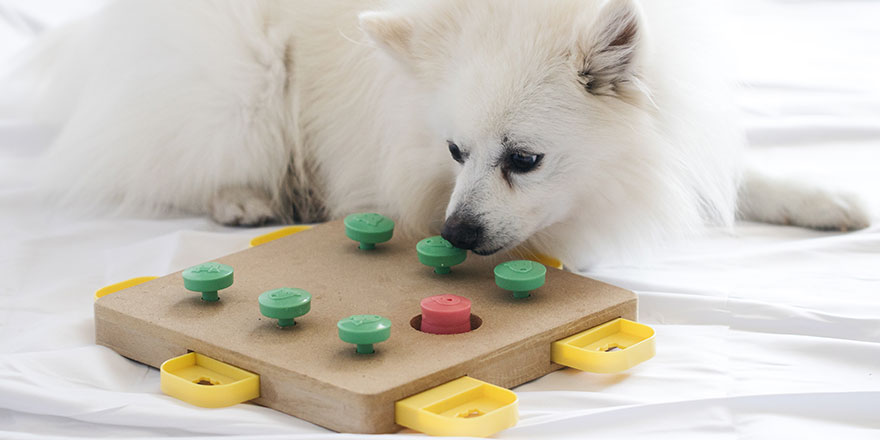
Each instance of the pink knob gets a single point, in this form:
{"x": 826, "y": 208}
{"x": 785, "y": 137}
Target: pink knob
{"x": 446, "y": 314}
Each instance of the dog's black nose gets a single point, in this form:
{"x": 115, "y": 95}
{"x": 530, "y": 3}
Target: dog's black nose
{"x": 462, "y": 232}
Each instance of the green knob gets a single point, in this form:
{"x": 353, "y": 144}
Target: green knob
{"x": 369, "y": 229}
{"x": 439, "y": 254}
{"x": 520, "y": 277}
{"x": 208, "y": 278}
{"x": 364, "y": 331}
{"x": 285, "y": 304}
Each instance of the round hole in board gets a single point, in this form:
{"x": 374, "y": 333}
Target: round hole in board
{"x": 416, "y": 322}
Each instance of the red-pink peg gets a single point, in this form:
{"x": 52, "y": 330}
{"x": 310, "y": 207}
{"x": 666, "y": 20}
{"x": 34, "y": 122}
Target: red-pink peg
{"x": 446, "y": 314}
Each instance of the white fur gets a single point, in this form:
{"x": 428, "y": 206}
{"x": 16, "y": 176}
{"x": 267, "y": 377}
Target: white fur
{"x": 788, "y": 202}
{"x": 311, "y": 110}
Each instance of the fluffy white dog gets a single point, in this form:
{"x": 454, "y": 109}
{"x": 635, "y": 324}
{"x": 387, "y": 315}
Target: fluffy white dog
{"x": 580, "y": 128}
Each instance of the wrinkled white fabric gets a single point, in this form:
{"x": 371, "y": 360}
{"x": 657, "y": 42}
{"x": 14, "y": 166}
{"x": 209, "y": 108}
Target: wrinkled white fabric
{"x": 762, "y": 331}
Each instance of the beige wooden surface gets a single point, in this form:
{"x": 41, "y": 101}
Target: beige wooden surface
{"x": 306, "y": 371}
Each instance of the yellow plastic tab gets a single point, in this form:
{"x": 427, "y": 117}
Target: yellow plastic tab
{"x": 546, "y": 260}
{"x": 275, "y": 235}
{"x": 462, "y": 407}
{"x": 202, "y": 381}
{"x": 609, "y": 348}
{"x": 528, "y": 254}
{"x": 113, "y": 288}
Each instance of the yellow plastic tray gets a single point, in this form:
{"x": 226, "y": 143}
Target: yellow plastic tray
{"x": 274, "y": 235}
{"x": 113, "y": 288}
{"x": 609, "y": 348}
{"x": 462, "y": 407}
{"x": 206, "y": 382}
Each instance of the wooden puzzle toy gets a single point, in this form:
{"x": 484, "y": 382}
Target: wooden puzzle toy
{"x": 359, "y": 336}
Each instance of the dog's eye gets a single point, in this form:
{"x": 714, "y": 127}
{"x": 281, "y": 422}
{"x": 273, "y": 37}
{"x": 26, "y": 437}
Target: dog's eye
{"x": 455, "y": 152}
{"x": 524, "y": 162}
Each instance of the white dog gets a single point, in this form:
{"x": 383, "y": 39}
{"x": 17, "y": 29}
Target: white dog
{"x": 580, "y": 128}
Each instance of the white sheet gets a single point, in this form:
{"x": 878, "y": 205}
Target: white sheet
{"x": 762, "y": 332}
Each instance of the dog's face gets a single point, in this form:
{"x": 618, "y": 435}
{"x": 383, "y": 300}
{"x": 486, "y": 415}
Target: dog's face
{"x": 515, "y": 141}
{"x": 529, "y": 97}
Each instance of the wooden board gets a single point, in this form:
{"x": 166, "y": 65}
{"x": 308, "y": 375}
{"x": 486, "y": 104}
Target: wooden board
{"x": 306, "y": 371}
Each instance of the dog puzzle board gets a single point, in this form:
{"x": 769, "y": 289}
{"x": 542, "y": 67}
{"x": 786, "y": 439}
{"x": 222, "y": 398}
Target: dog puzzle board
{"x": 308, "y": 372}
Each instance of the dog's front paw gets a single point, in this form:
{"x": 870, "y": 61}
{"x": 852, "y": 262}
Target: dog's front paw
{"x": 801, "y": 204}
{"x": 829, "y": 210}
{"x": 239, "y": 207}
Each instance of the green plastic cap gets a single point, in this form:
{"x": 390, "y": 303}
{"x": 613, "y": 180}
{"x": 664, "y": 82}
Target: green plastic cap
{"x": 369, "y": 229}
{"x": 285, "y": 304}
{"x": 520, "y": 276}
{"x": 208, "y": 278}
{"x": 364, "y": 331}
{"x": 439, "y": 254}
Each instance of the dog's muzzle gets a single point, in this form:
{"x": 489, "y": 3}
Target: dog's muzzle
{"x": 464, "y": 232}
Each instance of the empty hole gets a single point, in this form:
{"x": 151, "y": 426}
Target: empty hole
{"x": 611, "y": 347}
{"x": 416, "y": 322}
{"x": 470, "y": 413}
{"x": 206, "y": 381}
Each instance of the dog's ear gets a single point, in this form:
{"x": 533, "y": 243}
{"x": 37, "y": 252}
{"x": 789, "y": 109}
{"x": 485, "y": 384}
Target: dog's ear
{"x": 390, "y": 30}
{"x": 607, "y": 52}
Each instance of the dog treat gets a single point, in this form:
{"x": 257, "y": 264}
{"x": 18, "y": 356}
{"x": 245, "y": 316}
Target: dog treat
{"x": 520, "y": 277}
{"x": 208, "y": 278}
{"x": 446, "y": 314}
{"x": 369, "y": 229}
{"x": 364, "y": 331}
{"x": 285, "y": 304}
{"x": 439, "y": 254}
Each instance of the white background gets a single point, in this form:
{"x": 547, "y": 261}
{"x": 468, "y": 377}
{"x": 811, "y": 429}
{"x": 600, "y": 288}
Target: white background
{"x": 762, "y": 332}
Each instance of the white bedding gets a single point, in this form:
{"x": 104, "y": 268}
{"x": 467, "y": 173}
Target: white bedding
{"x": 762, "y": 332}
